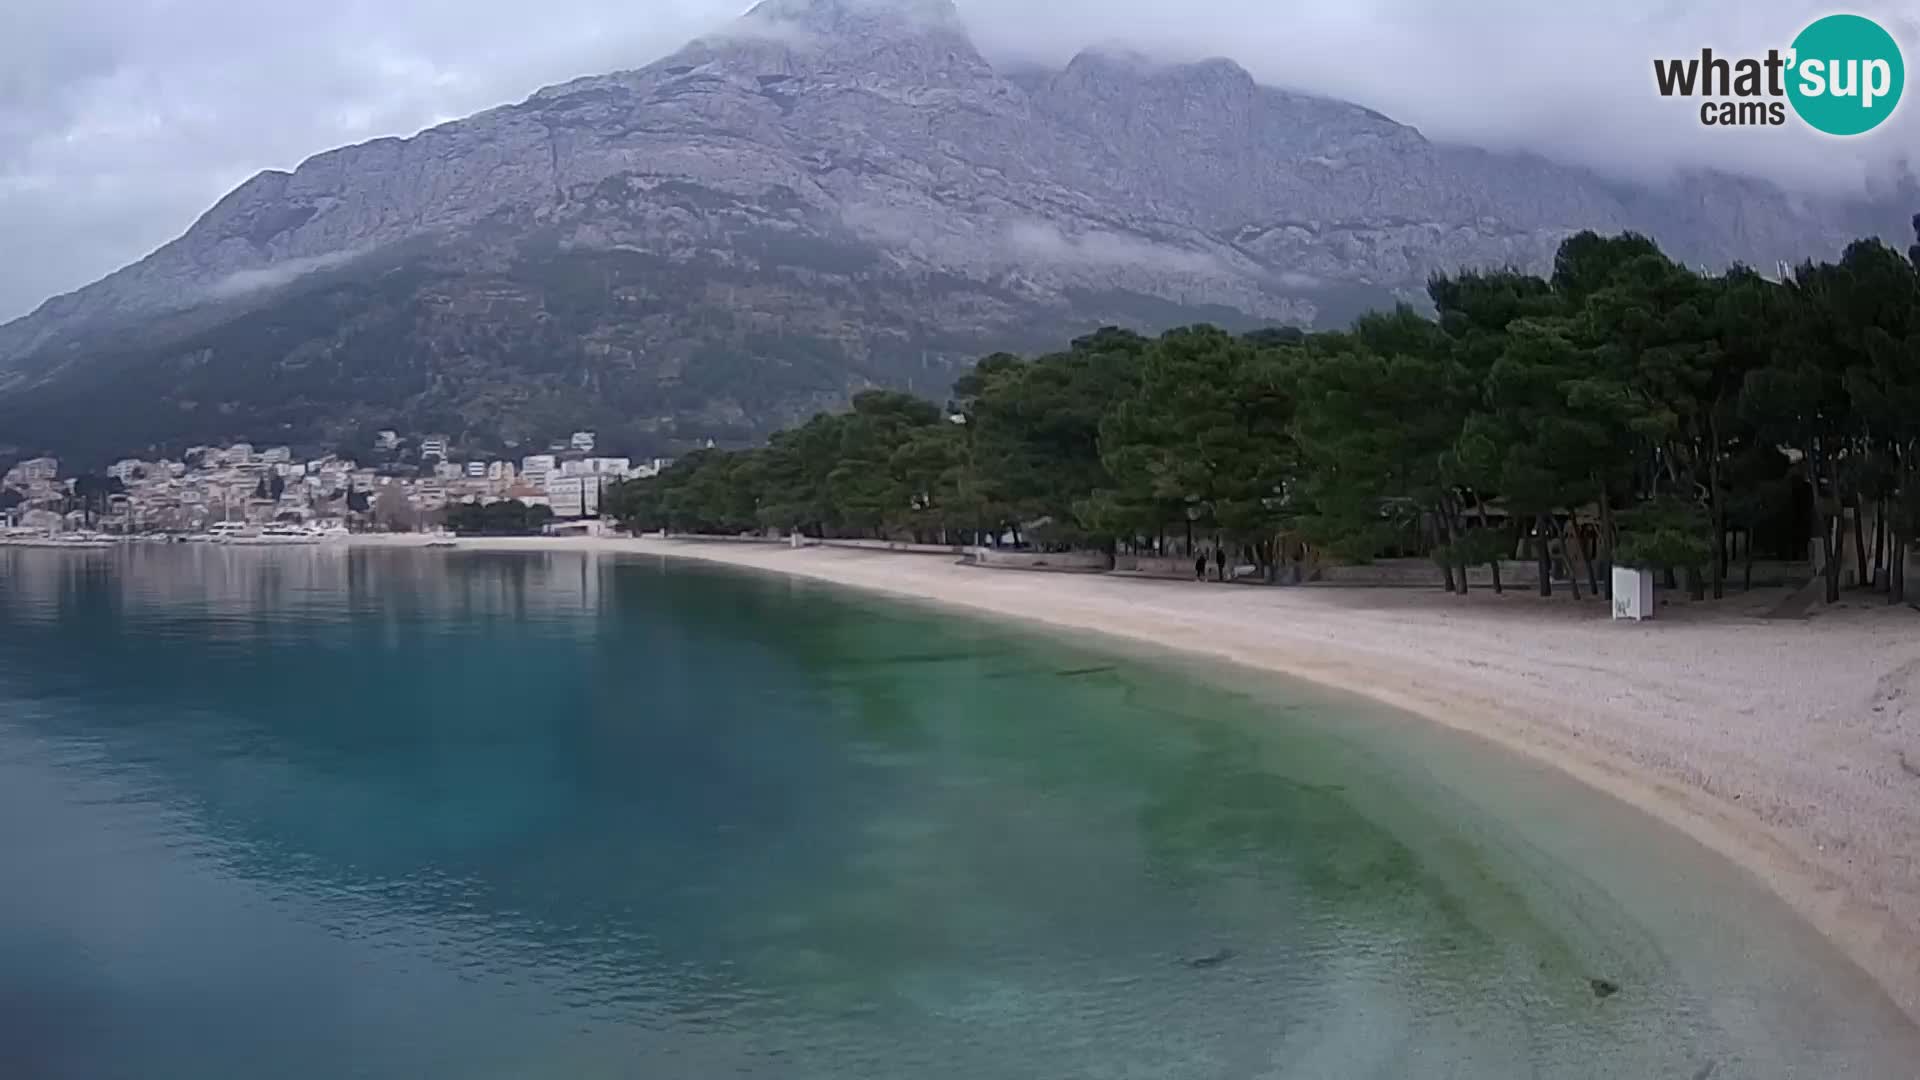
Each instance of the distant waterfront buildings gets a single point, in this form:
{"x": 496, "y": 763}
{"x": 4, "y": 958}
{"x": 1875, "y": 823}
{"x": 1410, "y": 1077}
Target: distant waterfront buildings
{"x": 244, "y": 484}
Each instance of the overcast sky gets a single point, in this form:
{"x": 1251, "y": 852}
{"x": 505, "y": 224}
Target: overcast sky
{"x": 122, "y": 120}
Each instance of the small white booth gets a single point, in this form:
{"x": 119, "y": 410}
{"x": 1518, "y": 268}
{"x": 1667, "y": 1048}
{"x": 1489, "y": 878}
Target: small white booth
{"x": 1632, "y": 594}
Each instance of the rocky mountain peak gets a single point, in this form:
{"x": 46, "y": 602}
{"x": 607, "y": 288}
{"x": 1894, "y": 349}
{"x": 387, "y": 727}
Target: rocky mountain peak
{"x": 1124, "y": 76}
{"x": 899, "y": 40}
{"x": 843, "y": 18}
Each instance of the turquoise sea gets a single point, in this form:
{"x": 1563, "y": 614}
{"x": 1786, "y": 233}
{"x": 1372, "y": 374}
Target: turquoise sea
{"x": 357, "y": 813}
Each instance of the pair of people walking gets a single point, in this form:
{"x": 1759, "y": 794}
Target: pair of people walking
{"x": 1200, "y": 564}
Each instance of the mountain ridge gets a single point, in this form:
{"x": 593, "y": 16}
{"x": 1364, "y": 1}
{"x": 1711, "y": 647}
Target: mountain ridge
{"x": 852, "y": 155}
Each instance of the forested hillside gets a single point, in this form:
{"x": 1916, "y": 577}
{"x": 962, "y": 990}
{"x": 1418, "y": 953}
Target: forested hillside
{"x": 1624, "y": 409}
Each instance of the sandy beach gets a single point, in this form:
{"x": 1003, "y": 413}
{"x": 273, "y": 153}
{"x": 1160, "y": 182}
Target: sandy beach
{"x": 1792, "y": 747}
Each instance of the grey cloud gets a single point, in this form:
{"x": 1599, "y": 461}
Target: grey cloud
{"x": 246, "y": 281}
{"x": 120, "y": 122}
{"x": 1041, "y": 241}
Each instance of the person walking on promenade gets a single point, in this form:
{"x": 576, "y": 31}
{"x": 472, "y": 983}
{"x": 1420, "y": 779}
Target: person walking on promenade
{"x": 1200, "y": 567}
{"x": 1220, "y": 560}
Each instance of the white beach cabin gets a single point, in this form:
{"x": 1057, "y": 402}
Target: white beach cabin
{"x": 1632, "y": 594}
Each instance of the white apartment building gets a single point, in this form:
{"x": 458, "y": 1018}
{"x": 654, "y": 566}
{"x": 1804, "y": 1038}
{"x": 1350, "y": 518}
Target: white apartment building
{"x": 582, "y": 441}
{"x": 33, "y": 472}
{"x": 574, "y": 496}
{"x": 477, "y": 470}
{"x": 433, "y": 446}
{"x": 537, "y": 467}
{"x": 616, "y": 467}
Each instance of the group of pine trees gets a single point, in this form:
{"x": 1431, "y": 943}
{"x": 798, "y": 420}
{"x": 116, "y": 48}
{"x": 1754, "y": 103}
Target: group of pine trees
{"x": 1627, "y": 409}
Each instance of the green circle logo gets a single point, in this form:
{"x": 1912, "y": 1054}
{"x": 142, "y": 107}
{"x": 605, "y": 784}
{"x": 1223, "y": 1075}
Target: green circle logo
{"x": 1846, "y": 75}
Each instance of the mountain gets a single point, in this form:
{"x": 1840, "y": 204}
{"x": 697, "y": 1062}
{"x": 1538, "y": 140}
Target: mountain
{"x": 826, "y": 195}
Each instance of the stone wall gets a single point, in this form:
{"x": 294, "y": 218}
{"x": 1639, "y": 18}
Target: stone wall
{"x": 1074, "y": 561}
{"x": 1422, "y": 573}
{"x": 891, "y": 545}
{"x": 1156, "y": 566}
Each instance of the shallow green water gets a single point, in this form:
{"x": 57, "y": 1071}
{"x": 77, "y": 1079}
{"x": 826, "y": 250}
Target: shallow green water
{"x": 403, "y": 814}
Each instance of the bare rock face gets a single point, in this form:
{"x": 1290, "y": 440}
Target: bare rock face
{"x": 827, "y": 194}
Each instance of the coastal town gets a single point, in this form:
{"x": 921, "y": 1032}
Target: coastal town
{"x": 398, "y": 485}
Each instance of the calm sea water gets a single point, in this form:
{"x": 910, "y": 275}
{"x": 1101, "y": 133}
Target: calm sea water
{"x": 324, "y": 813}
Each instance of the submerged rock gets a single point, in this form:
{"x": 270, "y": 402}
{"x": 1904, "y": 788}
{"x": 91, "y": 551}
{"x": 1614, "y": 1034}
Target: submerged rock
{"x": 1211, "y": 960}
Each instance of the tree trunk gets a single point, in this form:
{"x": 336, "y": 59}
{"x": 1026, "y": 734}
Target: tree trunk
{"x": 1592, "y": 561}
{"x": 1747, "y": 583}
{"x": 1897, "y": 569}
{"x": 1898, "y": 524}
{"x": 1833, "y": 537}
{"x": 1884, "y": 578}
{"x": 1719, "y": 560}
{"x": 1668, "y": 580}
{"x": 1696, "y": 584}
{"x": 1480, "y": 506}
{"x": 1570, "y": 542}
{"x": 1541, "y": 557}
{"x": 1719, "y": 514}
{"x": 1860, "y": 542}
{"x": 1453, "y": 544}
{"x": 1460, "y": 530}
{"x": 1833, "y": 530}
{"x": 1606, "y": 541}
{"x": 1454, "y": 532}
{"x": 1437, "y": 536}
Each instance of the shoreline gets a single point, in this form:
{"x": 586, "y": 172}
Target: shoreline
{"x": 1790, "y": 748}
